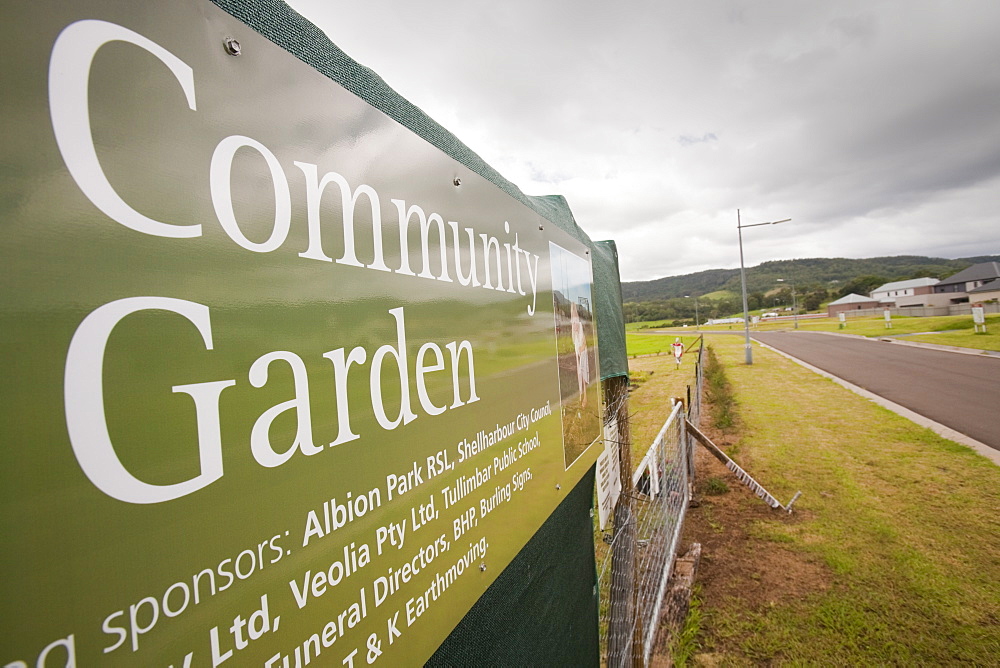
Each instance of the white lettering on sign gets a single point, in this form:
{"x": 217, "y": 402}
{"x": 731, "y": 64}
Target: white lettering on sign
{"x": 501, "y": 259}
{"x": 69, "y": 105}
{"x": 87, "y": 423}
{"x": 497, "y": 263}
{"x": 220, "y": 176}
{"x": 84, "y": 399}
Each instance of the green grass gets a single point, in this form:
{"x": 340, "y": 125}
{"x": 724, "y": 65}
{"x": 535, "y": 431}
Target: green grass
{"x": 649, "y": 402}
{"x": 949, "y": 330}
{"x": 966, "y": 338}
{"x": 905, "y": 522}
{"x": 715, "y": 486}
{"x": 720, "y": 294}
{"x": 719, "y": 393}
{"x": 900, "y": 325}
{"x": 652, "y": 324}
{"x": 637, "y": 378}
{"x": 684, "y": 645}
{"x": 652, "y": 344}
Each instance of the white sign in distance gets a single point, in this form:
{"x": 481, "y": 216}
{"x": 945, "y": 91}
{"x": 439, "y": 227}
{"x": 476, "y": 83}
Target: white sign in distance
{"x": 609, "y": 481}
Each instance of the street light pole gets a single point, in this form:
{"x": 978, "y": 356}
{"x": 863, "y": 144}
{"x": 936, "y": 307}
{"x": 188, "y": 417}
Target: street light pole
{"x": 743, "y": 280}
{"x": 696, "y": 319}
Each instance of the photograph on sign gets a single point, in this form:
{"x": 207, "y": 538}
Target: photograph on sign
{"x": 576, "y": 343}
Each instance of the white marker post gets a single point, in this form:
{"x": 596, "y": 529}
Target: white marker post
{"x": 978, "y": 318}
{"x": 888, "y": 319}
{"x": 609, "y": 484}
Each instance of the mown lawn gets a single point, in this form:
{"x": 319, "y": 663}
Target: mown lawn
{"x": 951, "y": 330}
{"x": 966, "y": 337}
{"x": 655, "y": 381}
{"x": 652, "y": 344}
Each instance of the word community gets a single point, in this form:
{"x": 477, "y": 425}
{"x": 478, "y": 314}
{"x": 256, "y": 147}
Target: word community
{"x": 504, "y": 265}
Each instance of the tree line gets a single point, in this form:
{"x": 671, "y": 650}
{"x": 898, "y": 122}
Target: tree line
{"x": 816, "y": 280}
{"x": 682, "y": 310}
{"x": 829, "y": 273}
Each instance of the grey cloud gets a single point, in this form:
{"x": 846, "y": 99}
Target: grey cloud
{"x": 868, "y": 122}
{"x": 688, "y": 140}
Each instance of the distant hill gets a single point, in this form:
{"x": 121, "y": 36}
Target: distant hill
{"x": 806, "y": 273}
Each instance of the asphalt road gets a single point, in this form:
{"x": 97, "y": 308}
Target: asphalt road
{"x": 959, "y": 391}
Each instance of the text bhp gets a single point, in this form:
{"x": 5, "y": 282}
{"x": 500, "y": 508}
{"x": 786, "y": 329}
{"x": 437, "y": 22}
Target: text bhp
{"x": 464, "y": 522}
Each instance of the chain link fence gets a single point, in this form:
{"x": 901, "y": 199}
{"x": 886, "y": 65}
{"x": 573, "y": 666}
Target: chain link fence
{"x": 635, "y": 566}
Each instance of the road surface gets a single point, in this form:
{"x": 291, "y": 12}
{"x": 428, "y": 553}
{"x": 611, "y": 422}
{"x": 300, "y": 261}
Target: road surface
{"x": 959, "y": 391}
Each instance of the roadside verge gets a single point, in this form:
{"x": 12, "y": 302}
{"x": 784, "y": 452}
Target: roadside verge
{"x": 936, "y": 427}
{"x": 914, "y": 344}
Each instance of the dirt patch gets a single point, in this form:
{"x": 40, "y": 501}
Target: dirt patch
{"x": 740, "y": 565}
{"x": 736, "y": 563}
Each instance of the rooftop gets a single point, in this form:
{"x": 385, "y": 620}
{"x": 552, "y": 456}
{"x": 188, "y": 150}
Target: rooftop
{"x": 977, "y": 272}
{"x": 903, "y": 285}
{"x": 851, "y": 299}
{"x": 990, "y": 286}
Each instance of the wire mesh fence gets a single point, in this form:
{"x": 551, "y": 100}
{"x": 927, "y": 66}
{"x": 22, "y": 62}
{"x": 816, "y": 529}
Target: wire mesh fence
{"x": 636, "y": 563}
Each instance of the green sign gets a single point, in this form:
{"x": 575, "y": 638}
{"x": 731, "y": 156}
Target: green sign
{"x": 284, "y": 384}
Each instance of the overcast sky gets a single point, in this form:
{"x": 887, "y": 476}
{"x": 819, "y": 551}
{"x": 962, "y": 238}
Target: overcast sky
{"x": 875, "y": 126}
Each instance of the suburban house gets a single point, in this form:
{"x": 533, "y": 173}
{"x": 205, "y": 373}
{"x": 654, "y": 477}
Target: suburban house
{"x": 987, "y": 292}
{"x": 892, "y": 293}
{"x": 956, "y": 288}
{"x": 851, "y": 302}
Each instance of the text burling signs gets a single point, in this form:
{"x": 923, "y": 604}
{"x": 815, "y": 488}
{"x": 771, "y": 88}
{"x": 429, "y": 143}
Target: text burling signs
{"x": 283, "y": 382}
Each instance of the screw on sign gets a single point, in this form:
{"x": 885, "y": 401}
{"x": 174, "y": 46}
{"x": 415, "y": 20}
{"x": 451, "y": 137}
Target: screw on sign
{"x": 677, "y": 348}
